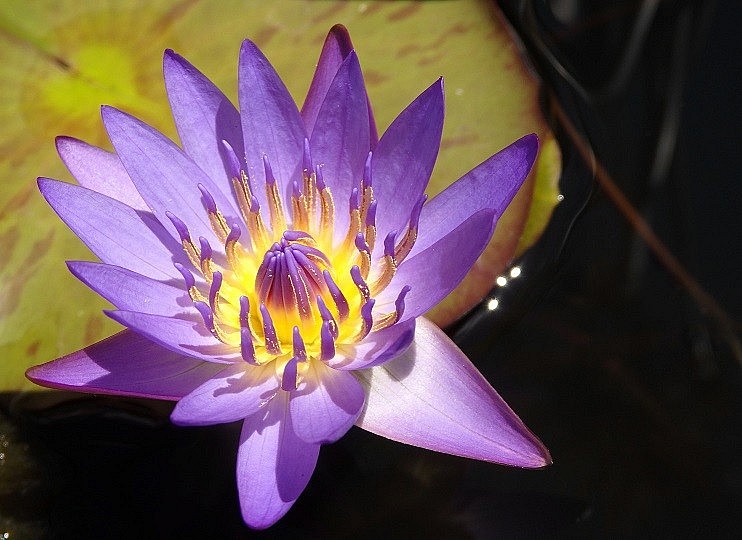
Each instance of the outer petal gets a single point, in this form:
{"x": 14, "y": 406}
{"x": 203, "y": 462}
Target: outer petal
{"x": 130, "y": 291}
{"x": 340, "y": 140}
{"x": 273, "y": 464}
{"x": 125, "y": 364}
{"x": 404, "y": 160}
{"x": 336, "y": 48}
{"x": 435, "y": 272}
{"x": 166, "y": 177}
{"x": 99, "y": 170}
{"x": 491, "y": 185}
{"x": 376, "y": 348}
{"x": 271, "y": 125}
{"x": 116, "y": 233}
{"x": 185, "y": 335}
{"x": 236, "y": 392}
{"x": 326, "y": 404}
{"x": 204, "y": 117}
{"x": 433, "y": 397}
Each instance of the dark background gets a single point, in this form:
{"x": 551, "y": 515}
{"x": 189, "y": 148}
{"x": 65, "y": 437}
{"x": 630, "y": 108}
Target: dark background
{"x": 634, "y": 389}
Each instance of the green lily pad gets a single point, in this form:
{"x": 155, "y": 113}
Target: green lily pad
{"x": 60, "y": 60}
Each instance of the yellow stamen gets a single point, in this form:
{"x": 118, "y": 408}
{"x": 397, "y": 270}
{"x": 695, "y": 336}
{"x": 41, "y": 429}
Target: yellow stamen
{"x": 275, "y": 206}
{"x": 327, "y": 213}
{"x": 388, "y": 269}
{"x": 194, "y": 255}
{"x": 219, "y": 225}
{"x": 405, "y": 246}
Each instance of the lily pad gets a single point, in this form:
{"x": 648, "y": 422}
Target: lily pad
{"x": 60, "y": 60}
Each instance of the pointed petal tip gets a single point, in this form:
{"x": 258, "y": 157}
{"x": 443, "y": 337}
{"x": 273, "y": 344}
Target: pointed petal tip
{"x": 248, "y": 47}
{"x": 259, "y": 521}
{"x": 340, "y": 35}
{"x": 536, "y": 457}
{"x": 339, "y": 30}
{"x": 526, "y": 149}
{"x": 109, "y": 113}
{"x": 530, "y": 143}
{"x": 62, "y": 141}
{"x": 72, "y": 266}
{"x": 49, "y": 375}
{"x": 170, "y": 59}
{"x": 34, "y": 374}
{"x": 42, "y": 182}
{"x": 436, "y": 89}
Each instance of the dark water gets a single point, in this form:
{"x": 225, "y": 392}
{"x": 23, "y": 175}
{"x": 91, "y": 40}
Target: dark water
{"x": 636, "y": 393}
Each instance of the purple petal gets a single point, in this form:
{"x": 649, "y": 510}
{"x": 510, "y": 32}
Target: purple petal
{"x": 273, "y": 464}
{"x": 236, "y": 392}
{"x": 185, "y": 335}
{"x": 116, "y": 233}
{"x": 203, "y": 116}
{"x": 376, "y": 348}
{"x": 125, "y": 364}
{"x": 271, "y": 124}
{"x": 435, "y": 272}
{"x": 404, "y": 159}
{"x": 337, "y": 47}
{"x": 166, "y": 177}
{"x": 491, "y": 185}
{"x": 433, "y": 397}
{"x": 340, "y": 140}
{"x": 325, "y": 406}
{"x": 130, "y": 291}
{"x": 99, "y": 170}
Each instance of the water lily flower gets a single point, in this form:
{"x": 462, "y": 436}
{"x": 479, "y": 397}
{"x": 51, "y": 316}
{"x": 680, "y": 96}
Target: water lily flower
{"x": 274, "y": 270}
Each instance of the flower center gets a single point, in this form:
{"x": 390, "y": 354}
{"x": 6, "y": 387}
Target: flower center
{"x": 290, "y": 280}
{"x": 294, "y": 297}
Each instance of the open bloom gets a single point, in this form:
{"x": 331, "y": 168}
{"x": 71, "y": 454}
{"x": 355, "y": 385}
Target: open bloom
{"x": 274, "y": 269}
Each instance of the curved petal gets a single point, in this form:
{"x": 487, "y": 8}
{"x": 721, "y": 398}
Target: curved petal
{"x": 271, "y": 125}
{"x": 236, "y": 392}
{"x": 404, "y": 160}
{"x": 125, "y": 364}
{"x": 340, "y": 140}
{"x": 99, "y": 170}
{"x": 435, "y": 272}
{"x": 325, "y": 406}
{"x": 336, "y": 48}
{"x": 433, "y": 397}
{"x": 186, "y": 335}
{"x": 491, "y": 185}
{"x": 375, "y": 349}
{"x": 165, "y": 176}
{"x": 273, "y": 464}
{"x": 117, "y": 234}
{"x": 203, "y": 116}
{"x": 130, "y": 291}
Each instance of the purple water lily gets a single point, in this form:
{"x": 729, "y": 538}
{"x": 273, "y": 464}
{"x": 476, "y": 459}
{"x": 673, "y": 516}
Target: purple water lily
{"x": 274, "y": 270}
